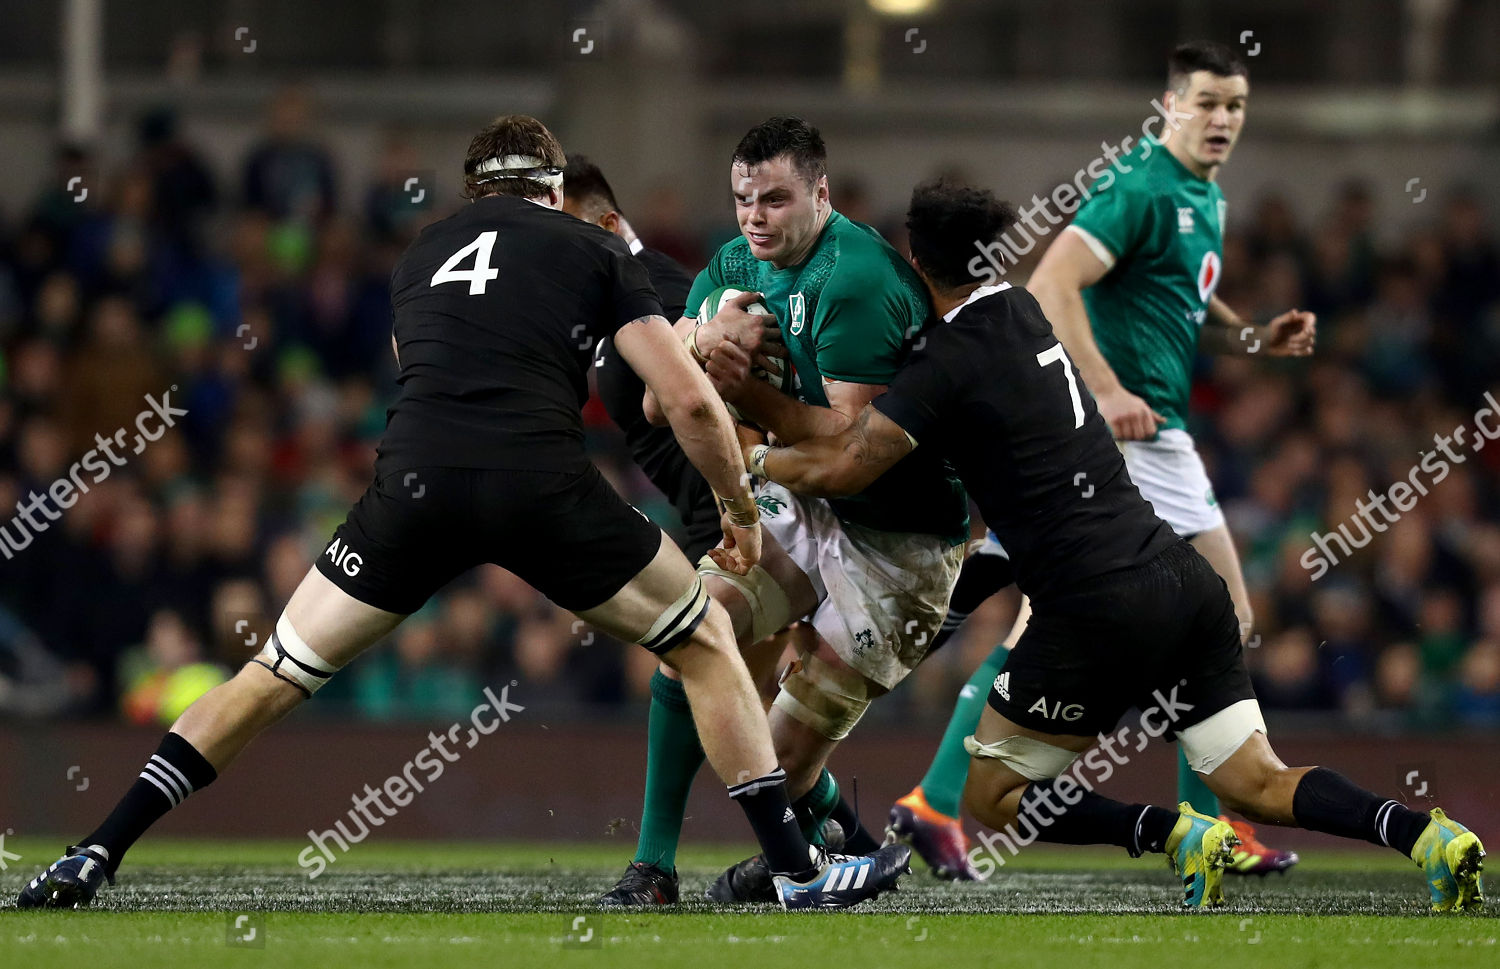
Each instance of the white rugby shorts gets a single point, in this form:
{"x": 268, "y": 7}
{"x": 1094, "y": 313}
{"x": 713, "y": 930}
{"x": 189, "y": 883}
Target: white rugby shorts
{"x": 1171, "y": 476}
{"x": 882, "y": 596}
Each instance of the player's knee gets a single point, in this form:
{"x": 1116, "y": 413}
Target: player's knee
{"x": 795, "y": 756}
{"x": 1250, "y": 795}
{"x": 978, "y": 799}
{"x": 690, "y": 621}
{"x": 716, "y": 631}
{"x": 292, "y": 662}
{"x": 1255, "y": 788}
{"x": 759, "y": 604}
{"x": 736, "y": 610}
{"x": 712, "y": 640}
{"x": 825, "y": 698}
{"x": 986, "y": 793}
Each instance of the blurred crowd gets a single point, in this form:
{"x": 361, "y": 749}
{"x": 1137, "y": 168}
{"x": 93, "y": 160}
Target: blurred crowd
{"x": 1408, "y": 350}
{"x": 256, "y": 301}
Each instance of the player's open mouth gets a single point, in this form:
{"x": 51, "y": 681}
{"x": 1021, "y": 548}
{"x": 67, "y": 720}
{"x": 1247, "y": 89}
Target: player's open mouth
{"x": 760, "y": 239}
{"x": 1217, "y": 141}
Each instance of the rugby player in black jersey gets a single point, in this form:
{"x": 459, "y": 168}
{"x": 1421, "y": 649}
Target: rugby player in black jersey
{"x": 587, "y": 195}
{"x": 496, "y": 312}
{"x": 1124, "y": 613}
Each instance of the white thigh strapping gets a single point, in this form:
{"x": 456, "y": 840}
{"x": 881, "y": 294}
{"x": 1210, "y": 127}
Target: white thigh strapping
{"x": 1207, "y": 745}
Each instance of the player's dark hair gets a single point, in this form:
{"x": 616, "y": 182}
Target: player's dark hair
{"x": 511, "y": 134}
{"x": 1202, "y": 55}
{"x": 785, "y": 136}
{"x": 584, "y": 182}
{"x": 947, "y": 223}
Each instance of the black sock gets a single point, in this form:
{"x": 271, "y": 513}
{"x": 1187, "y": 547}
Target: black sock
{"x": 173, "y": 772}
{"x": 1094, "y": 819}
{"x": 1329, "y": 802}
{"x": 769, "y": 811}
{"x": 857, "y": 841}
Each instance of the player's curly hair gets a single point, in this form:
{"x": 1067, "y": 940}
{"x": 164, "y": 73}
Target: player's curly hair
{"x": 511, "y": 134}
{"x": 949, "y": 225}
{"x": 779, "y": 136}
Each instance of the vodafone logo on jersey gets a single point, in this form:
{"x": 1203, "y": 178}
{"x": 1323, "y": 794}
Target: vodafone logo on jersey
{"x": 1208, "y": 275}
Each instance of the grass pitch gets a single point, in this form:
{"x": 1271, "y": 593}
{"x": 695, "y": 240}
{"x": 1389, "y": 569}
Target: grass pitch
{"x": 249, "y": 904}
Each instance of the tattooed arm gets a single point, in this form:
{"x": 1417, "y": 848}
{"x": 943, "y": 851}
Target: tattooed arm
{"x": 838, "y": 465}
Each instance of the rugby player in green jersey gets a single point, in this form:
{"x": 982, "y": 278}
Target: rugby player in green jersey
{"x": 871, "y": 574}
{"x": 1129, "y": 287}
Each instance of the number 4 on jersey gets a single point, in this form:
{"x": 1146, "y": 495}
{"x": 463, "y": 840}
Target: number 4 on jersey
{"x": 1055, "y": 354}
{"x": 479, "y": 277}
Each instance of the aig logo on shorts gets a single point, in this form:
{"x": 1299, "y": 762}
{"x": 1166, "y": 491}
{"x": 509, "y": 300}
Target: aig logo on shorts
{"x": 344, "y": 559}
{"x": 1070, "y": 712}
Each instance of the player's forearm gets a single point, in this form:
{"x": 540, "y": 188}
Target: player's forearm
{"x": 1219, "y": 313}
{"x": 1219, "y": 340}
{"x": 1225, "y": 333}
{"x": 1064, "y": 309}
{"x": 748, "y": 436}
{"x": 706, "y": 434}
{"x": 816, "y": 467}
{"x": 786, "y": 417}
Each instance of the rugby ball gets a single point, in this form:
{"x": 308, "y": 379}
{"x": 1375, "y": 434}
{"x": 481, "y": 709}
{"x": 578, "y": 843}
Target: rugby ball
{"x": 710, "y": 307}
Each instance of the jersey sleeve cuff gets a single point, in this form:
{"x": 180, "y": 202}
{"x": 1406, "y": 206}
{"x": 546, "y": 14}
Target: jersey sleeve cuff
{"x": 906, "y": 415}
{"x": 637, "y": 308}
{"x": 1098, "y": 248}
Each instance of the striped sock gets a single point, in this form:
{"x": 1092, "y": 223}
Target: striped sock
{"x": 769, "y": 811}
{"x": 173, "y": 772}
{"x": 1328, "y": 802}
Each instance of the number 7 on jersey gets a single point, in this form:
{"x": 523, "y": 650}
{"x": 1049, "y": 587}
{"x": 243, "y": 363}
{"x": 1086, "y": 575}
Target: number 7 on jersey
{"x": 1056, "y": 354}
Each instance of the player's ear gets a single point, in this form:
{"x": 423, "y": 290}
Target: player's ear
{"x": 611, "y": 221}
{"x": 820, "y": 192}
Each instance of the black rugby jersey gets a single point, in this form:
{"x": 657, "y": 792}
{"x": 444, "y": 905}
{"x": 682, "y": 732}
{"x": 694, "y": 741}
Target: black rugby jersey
{"x": 993, "y": 390}
{"x": 497, "y": 311}
{"x": 655, "y": 449}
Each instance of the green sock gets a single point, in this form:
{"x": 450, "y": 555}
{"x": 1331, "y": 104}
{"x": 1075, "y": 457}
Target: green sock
{"x": 1190, "y": 788}
{"x": 944, "y": 784}
{"x": 817, "y": 806}
{"x": 673, "y": 756}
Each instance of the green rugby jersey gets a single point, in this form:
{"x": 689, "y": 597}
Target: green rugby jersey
{"x": 848, "y": 312}
{"x": 1161, "y": 228}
